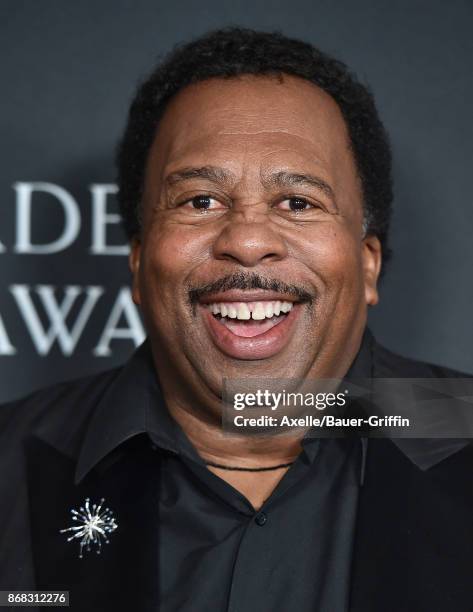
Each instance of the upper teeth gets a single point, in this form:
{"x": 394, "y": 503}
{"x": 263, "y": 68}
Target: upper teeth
{"x": 250, "y": 310}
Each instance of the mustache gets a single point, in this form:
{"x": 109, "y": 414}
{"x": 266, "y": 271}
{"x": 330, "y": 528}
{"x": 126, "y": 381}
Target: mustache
{"x": 243, "y": 280}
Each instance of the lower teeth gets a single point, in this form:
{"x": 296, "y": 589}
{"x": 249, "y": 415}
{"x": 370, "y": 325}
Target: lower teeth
{"x": 273, "y": 319}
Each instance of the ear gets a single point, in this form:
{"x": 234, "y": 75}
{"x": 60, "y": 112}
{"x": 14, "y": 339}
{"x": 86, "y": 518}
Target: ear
{"x": 371, "y": 256}
{"x": 134, "y": 264}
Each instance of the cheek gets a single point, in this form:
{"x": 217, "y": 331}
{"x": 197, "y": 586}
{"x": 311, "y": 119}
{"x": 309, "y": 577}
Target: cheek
{"x": 333, "y": 253}
{"x": 171, "y": 254}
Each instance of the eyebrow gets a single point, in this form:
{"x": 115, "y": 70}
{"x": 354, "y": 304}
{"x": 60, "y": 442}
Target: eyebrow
{"x": 290, "y": 179}
{"x": 209, "y": 173}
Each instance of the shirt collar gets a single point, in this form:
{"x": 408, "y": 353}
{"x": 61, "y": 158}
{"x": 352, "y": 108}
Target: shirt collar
{"x": 134, "y": 405}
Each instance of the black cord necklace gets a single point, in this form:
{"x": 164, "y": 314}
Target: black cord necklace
{"x": 248, "y": 469}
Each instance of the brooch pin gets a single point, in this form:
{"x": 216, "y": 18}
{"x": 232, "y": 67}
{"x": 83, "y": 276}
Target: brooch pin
{"x": 94, "y": 525}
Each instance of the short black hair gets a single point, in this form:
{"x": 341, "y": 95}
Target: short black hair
{"x": 231, "y": 52}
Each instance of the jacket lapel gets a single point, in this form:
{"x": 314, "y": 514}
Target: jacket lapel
{"x": 381, "y": 537}
{"x": 414, "y": 534}
{"x": 124, "y": 575}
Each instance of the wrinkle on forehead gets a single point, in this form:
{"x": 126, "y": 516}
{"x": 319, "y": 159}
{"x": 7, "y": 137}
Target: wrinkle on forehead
{"x": 262, "y": 145}
{"x": 281, "y": 130}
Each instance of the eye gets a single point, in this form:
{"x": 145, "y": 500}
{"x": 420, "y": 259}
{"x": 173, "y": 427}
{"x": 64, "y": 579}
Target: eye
{"x": 203, "y": 202}
{"x": 296, "y": 204}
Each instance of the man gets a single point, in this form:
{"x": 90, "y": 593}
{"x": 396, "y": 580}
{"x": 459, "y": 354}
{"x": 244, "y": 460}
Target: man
{"x": 255, "y": 187}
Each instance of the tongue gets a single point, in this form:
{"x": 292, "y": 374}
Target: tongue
{"x": 248, "y": 329}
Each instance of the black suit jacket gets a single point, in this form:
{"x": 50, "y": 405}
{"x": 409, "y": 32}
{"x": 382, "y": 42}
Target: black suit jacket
{"x": 414, "y": 537}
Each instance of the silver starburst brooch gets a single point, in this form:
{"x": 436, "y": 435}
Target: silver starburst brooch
{"x": 94, "y": 525}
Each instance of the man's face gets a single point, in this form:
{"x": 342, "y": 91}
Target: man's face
{"x": 252, "y": 261}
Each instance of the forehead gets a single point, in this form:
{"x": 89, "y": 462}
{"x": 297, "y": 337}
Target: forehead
{"x": 248, "y": 123}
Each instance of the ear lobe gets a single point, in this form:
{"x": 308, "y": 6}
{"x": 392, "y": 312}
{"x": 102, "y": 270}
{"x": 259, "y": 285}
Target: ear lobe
{"x": 134, "y": 264}
{"x": 371, "y": 259}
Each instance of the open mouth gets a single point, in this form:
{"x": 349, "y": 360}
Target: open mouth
{"x": 250, "y": 319}
{"x": 250, "y": 325}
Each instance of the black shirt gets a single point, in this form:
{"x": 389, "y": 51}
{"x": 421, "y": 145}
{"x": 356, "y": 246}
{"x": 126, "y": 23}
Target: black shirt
{"x": 216, "y": 548}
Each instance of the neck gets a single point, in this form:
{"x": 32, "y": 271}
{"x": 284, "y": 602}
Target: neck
{"x": 216, "y": 446}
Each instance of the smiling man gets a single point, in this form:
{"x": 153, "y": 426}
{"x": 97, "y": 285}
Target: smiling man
{"x": 255, "y": 187}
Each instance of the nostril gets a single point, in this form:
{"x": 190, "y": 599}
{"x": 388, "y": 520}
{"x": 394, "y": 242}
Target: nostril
{"x": 271, "y": 256}
{"x": 248, "y": 257}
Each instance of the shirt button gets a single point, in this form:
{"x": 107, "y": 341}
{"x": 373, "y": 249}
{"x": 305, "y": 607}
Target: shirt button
{"x": 260, "y": 519}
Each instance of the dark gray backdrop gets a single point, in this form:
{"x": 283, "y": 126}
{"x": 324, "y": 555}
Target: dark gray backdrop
{"x": 69, "y": 70}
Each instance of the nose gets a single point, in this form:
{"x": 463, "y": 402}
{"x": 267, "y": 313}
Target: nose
{"x": 249, "y": 243}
